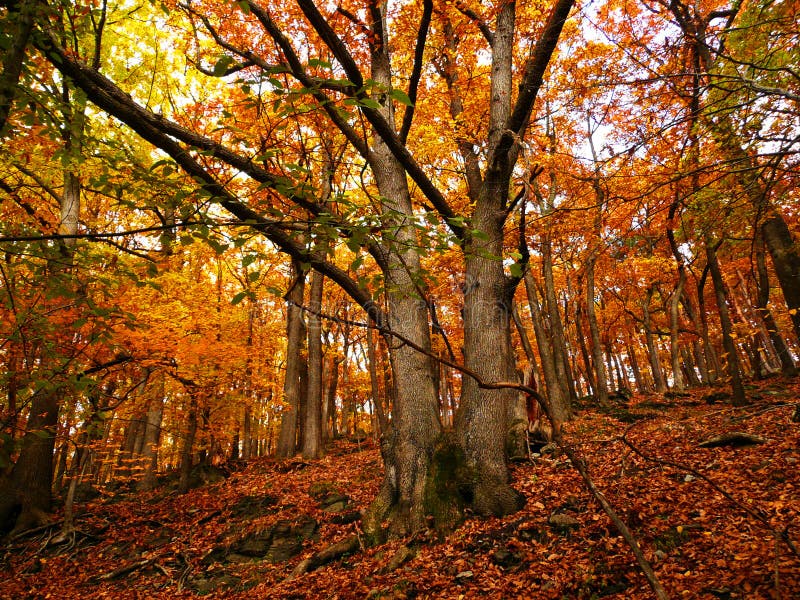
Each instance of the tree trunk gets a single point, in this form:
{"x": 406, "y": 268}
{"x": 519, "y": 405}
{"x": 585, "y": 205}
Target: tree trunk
{"x": 287, "y": 441}
{"x": 557, "y": 337}
{"x": 731, "y": 353}
{"x": 372, "y": 366}
{"x": 557, "y": 402}
{"x": 652, "y": 350}
{"x": 185, "y": 467}
{"x": 674, "y": 324}
{"x": 32, "y": 475}
{"x": 601, "y": 381}
{"x": 312, "y": 437}
{"x": 408, "y": 448}
{"x": 762, "y": 307}
{"x": 634, "y": 362}
{"x": 152, "y": 436}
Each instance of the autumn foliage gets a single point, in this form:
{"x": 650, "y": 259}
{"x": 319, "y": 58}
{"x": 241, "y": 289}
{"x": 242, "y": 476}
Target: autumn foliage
{"x": 414, "y": 243}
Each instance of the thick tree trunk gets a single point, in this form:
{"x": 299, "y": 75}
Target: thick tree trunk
{"x": 409, "y": 447}
{"x": 32, "y": 476}
{"x": 152, "y": 436}
{"x": 20, "y": 15}
{"x": 481, "y": 423}
{"x": 372, "y": 366}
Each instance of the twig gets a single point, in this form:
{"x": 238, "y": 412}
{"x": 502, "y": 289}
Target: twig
{"x": 784, "y": 535}
{"x": 116, "y": 573}
{"x": 644, "y": 565}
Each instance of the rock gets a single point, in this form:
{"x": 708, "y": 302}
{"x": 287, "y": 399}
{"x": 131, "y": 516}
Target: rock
{"x": 346, "y": 518}
{"x": 334, "y": 502}
{"x": 253, "y": 506}
{"x": 563, "y": 522}
{"x": 735, "y": 439}
{"x": 278, "y": 543}
{"x": 715, "y": 397}
{"x": 504, "y": 558}
{"x": 465, "y": 575}
{"x": 401, "y": 557}
{"x": 319, "y": 489}
{"x": 201, "y": 475}
{"x": 256, "y": 544}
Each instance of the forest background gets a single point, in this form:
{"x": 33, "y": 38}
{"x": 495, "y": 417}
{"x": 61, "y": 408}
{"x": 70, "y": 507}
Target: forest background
{"x": 234, "y": 230}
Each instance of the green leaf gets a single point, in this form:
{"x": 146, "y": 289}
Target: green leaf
{"x": 369, "y": 103}
{"x": 223, "y": 62}
{"x": 516, "y": 270}
{"x": 318, "y": 62}
{"x": 249, "y": 259}
{"x": 238, "y": 298}
{"x": 401, "y": 97}
{"x": 245, "y": 6}
{"x": 254, "y": 276}
{"x": 218, "y": 247}
{"x": 357, "y": 263}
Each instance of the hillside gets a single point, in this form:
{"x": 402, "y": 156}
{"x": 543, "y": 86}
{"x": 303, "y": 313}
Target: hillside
{"x": 214, "y": 540}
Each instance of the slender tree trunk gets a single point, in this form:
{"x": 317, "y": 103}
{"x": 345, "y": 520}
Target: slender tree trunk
{"x": 634, "y": 362}
{"x": 788, "y": 366}
{"x": 731, "y": 353}
{"x": 557, "y": 338}
{"x": 557, "y": 402}
{"x": 587, "y": 361}
{"x": 185, "y": 467}
{"x": 652, "y": 350}
{"x": 333, "y": 381}
{"x": 287, "y": 441}
{"x": 601, "y": 381}
{"x": 312, "y": 438}
{"x": 674, "y": 324}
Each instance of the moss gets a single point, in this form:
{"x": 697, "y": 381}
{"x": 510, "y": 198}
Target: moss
{"x": 448, "y": 486}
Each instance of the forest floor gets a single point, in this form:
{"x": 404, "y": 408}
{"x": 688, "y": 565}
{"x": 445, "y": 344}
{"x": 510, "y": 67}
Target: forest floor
{"x": 213, "y": 540}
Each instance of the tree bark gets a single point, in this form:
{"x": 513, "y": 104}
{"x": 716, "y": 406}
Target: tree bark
{"x": 652, "y": 350}
{"x": 408, "y": 448}
{"x": 312, "y": 437}
{"x": 731, "y": 352}
{"x": 674, "y": 323}
{"x": 557, "y": 403}
{"x": 601, "y": 380}
{"x": 287, "y": 440}
{"x": 788, "y": 366}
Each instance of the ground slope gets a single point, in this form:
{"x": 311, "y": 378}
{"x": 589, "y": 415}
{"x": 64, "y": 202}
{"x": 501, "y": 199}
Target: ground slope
{"x": 244, "y": 536}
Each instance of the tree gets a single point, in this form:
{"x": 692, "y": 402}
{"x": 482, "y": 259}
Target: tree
{"x": 483, "y": 417}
